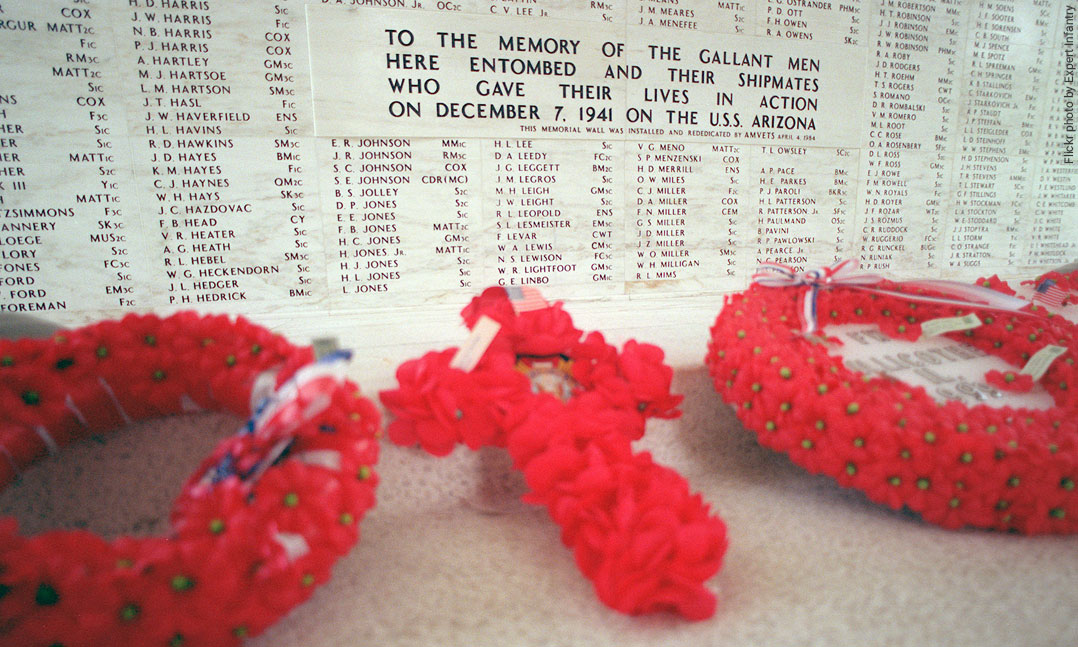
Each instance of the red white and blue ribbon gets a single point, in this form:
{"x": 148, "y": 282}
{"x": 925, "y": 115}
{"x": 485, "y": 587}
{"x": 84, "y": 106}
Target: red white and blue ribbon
{"x": 301, "y": 398}
{"x": 844, "y": 275}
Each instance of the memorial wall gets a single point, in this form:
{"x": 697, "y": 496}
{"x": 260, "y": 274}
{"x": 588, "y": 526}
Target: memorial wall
{"x": 343, "y": 163}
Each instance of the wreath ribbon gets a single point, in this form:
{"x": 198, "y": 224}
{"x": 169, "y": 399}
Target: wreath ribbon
{"x": 276, "y": 418}
{"x": 843, "y": 274}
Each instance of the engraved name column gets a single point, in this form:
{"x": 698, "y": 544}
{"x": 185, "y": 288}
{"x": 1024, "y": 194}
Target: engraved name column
{"x": 213, "y": 183}
{"x": 450, "y": 183}
{"x": 609, "y": 11}
{"x": 684, "y": 201}
{"x": 402, "y": 219}
{"x": 282, "y": 65}
{"x": 65, "y": 243}
{"x": 1005, "y": 72}
{"x": 909, "y": 132}
{"x": 794, "y": 224}
{"x": 1053, "y": 228}
{"x": 371, "y": 178}
{"x": 732, "y": 213}
{"x": 811, "y": 20}
{"x": 724, "y": 16}
{"x": 542, "y": 214}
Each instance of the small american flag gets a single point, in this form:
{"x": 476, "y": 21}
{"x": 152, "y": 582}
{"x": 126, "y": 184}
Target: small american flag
{"x": 525, "y": 298}
{"x": 1048, "y": 293}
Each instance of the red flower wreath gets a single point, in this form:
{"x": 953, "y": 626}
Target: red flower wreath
{"x": 254, "y": 530}
{"x": 637, "y": 532}
{"x": 955, "y": 465}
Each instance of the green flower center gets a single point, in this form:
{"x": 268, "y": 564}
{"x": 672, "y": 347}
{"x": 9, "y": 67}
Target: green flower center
{"x": 46, "y": 595}
{"x": 129, "y": 612}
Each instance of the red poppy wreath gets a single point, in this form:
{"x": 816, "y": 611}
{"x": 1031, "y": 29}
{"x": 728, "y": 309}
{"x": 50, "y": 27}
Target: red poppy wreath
{"x": 955, "y": 465}
{"x": 255, "y": 528}
{"x": 567, "y": 407}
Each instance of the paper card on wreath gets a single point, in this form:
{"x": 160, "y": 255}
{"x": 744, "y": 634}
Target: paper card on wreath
{"x": 476, "y": 344}
{"x": 946, "y": 368}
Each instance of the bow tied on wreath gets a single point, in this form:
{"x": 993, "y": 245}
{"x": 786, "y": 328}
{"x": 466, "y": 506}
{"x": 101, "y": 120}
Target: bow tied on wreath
{"x": 843, "y": 274}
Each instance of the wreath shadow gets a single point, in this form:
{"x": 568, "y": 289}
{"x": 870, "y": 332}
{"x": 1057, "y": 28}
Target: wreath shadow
{"x": 721, "y": 455}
